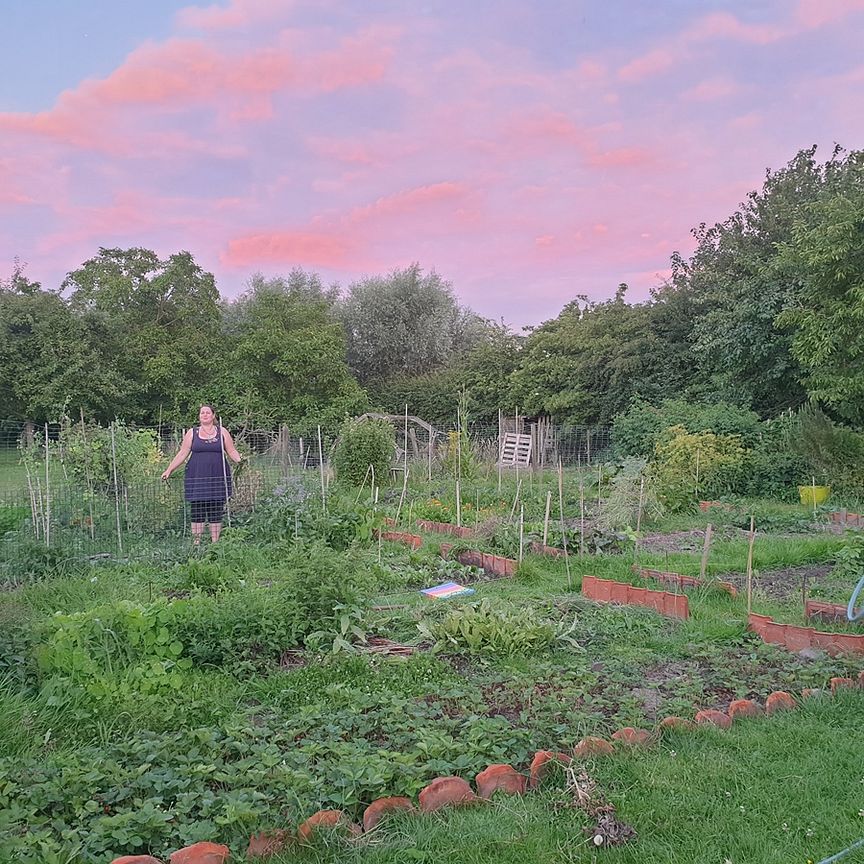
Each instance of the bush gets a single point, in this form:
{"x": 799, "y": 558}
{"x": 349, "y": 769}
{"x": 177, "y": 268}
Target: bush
{"x": 637, "y": 431}
{"x": 361, "y": 444}
{"x": 686, "y": 465}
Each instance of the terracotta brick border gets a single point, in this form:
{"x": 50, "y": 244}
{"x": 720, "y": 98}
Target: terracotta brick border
{"x": 795, "y": 638}
{"x": 415, "y": 541}
{"x": 495, "y": 565}
{"x": 682, "y": 581}
{"x": 552, "y": 551}
{"x": 824, "y": 611}
{"x": 610, "y": 591}
{"x": 445, "y": 792}
{"x": 842, "y": 517}
{"x": 444, "y": 528}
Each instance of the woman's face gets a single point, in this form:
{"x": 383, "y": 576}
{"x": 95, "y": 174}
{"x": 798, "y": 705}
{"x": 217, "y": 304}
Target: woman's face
{"x": 205, "y": 415}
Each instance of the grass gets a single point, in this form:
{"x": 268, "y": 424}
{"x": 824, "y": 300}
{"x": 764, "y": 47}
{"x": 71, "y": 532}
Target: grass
{"x": 769, "y": 791}
{"x": 258, "y": 737}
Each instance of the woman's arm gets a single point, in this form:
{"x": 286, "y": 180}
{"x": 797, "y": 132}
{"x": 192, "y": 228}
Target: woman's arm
{"x": 230, "y": 449}
{"x": 182, "y": 454}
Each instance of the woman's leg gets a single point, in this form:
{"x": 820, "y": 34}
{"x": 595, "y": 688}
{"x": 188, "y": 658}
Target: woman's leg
{"x": 197, "y": 531}
{"x": 215, "y": 531}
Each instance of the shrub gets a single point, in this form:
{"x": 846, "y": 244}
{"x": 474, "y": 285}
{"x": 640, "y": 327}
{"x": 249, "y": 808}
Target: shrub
{"x": 690, "y": 465}
{"x": 637, "y": 431}
{"x": 361, "y": 444}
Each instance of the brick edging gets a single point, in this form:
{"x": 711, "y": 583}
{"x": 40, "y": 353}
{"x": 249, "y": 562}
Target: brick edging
{"x": 682, "y": 581}
{"x": 611, "y": 591}
{"x": 453, "y": 791}
{"x": 795, "y": 638}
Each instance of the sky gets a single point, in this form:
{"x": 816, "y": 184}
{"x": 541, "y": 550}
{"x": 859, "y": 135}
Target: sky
{"x": 528, "y": 151}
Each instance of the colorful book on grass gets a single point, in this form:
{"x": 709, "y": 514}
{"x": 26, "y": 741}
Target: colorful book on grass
{"x": 447, "y": 589}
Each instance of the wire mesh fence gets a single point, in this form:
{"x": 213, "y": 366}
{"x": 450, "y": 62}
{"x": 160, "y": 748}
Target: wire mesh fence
{"x": 90, "y": 492}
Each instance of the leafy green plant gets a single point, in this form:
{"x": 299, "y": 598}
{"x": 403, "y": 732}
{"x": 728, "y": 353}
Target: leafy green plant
{"x": 362, "y": 443}
{"x": 486, "y": 629}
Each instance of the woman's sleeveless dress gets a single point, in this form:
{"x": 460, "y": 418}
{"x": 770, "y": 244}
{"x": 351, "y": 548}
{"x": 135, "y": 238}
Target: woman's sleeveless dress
{"x": 208, "y": 474}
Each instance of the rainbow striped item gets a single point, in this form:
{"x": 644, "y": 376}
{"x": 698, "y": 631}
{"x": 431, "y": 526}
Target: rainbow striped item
{"x": 446, "y": 590}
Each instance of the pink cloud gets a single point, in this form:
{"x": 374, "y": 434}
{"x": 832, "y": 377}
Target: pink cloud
{"x": 648, "y": 65}
{"x": 237, "y": 14}
{"x": 710, "y": 90}
{"x": 812, "y": 14}
{"x": 287, "y": 247}
{"x": 722, "y": 25}
{"x": 409, "y": 201}
{"x": 621, "y": 157}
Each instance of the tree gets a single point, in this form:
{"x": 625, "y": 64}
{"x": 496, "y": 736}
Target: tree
{"x": 49, "y": 357}
{"x": 826, "y": 252}
{"x": 737, "y": 291}
{"x": 584, "y": 366}
{"x": 404, "y": 324}
{"x": 286, "y": 362}
{"x": 161, "y": 326}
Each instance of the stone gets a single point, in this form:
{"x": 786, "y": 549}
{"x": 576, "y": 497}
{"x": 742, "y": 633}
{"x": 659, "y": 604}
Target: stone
{"x": 136, "y": 859}
{"x": 500, "y": 777}
{"x": 780, "y": 700}
{"x": 201, "y": 853}
{"x": 380, "y": 808}
{"x": 268, "y": 843}
{"x": 632, "y": 737}
{"x": 841, "y": 683}
{"x": 591, "y": 746}
{"x": 445, "y": 792}
{"x": 677, "y": 723}
{"x": 745, "y": 708}
{"x": 712, "y": 717}
{"x": 541, "y": 763}
{"x": 322, "y": 819}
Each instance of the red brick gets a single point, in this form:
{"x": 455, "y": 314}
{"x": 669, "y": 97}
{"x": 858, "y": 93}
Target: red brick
{"x": 445, "y": 791}
{"x": 633, "y": 737}
{"x": 322, "y": 819}
{"x": 377, "y": 810}
{"x": 509, "y": 567}
{"x": 848, "y": 644}
{"x": 201, "y": 853}
{"x": 825, "y": 641}
{"x": 775, "y": 633}
{"x": 619, "y": 592}
{"x": 712, "y": 717}
{"x": 757, "y": 623}
{"x": 780, "y": 700}
{"x": 603, "y": 590}
{"x": 589, "y": 586}
{"x": 503, "y": 777}
{"x": 136, "y": 859}
{"x": 590, "y": 747}
{"x": 798, "y": 638}
{"x": 637, "y": 596}
{"x": 841, "y": 683}
{"x": 678, "y": 723}
{"x": 654, "y": 600}
{"x": 745, "y": 708}
{"x": 540, "y": 765}
{"x": 268, "y": 843}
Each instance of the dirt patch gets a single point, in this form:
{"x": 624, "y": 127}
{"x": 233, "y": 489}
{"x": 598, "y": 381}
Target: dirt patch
{"x": 677, "y": 541}
{"x": 781, "y": 584}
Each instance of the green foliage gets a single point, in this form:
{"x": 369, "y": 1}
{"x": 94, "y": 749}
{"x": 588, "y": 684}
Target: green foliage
{"x": 361, "y": 444}
{"x": 636, "y": 431}
{"x": 405, "y": 323}
{"x": 834, "y": 454}
{"x": 631, "y": 487}
{"x": 849, "y": 566}
{"x": 687, "y": 466}
{"x": 483, "y": 628}
{"x": 586, "y": 364}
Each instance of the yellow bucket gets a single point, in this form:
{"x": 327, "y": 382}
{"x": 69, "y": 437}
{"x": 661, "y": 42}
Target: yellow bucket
{"x": 813, "y": 495}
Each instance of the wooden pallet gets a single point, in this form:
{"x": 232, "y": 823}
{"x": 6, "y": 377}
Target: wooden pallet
{"x": 516, "y": 449}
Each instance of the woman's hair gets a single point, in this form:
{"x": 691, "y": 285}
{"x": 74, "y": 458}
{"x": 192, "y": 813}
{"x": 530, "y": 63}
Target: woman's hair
{"x": 207, "y": 405}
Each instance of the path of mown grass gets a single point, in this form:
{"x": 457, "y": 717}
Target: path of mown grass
{"x": 789, "y": 788}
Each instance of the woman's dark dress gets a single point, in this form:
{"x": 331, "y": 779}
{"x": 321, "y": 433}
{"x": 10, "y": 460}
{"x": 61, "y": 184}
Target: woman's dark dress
{"x": 208, "y": 475}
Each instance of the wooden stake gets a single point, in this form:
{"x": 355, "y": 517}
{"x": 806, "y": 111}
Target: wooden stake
{"x": 402, "y": 496}
{"x": 515, "y": 500}
{"x": 362, "y": 485}
{"x": 48, "y": 494}
{"x": 563, "y": 527}
{"x": 321, "y": 471}
{"x": 458, "y": 505}
{"x": 698, "y": 454}
{"x": 599, "y": 489}
{"x": 116, "y": 492}
{"x": 500, "y": 450}
{"x": 372, "y": 497}
{"x": 750, "y": 567}
{"x": 521, "y": 532}
{"x": 546, "y": 518}
{"x": 89, "y": 479}
{"x": 639, "y": 517}
{"x": 225, "y": 470}
{"x": 812, "y": 482}
{"x": 706, "y": 549}
{"x": 581, "y": 516}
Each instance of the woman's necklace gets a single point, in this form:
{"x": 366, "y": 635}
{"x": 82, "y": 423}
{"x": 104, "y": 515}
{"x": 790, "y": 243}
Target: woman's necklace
{"x": 207, "y": 435}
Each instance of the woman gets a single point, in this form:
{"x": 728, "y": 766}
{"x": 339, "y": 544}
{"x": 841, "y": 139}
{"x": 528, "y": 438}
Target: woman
{"x": 207, "y": 484}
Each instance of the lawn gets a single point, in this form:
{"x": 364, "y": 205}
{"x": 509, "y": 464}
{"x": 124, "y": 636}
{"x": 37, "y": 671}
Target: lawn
{"x": 150, "y": 702}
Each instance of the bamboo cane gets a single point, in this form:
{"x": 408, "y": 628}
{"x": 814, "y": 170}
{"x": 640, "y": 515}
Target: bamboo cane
{"x": 521, "y": 532}
{"x": 116, "y": 490}
{"x": 47, "y": 493}
{"x": 224, "y": 470}
{"x": 706, "y": 549}
{"x": 546, "y": 518}
{"x": 563, "y": 527}
{"x": 750, "y": 567}
{"x": 321, "y": 471}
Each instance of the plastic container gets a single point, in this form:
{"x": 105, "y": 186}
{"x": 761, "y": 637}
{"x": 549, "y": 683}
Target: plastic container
{"x": 813, "y": 495}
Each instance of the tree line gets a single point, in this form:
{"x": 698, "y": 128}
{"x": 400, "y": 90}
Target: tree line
{"x": 766, "y": 314}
